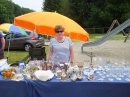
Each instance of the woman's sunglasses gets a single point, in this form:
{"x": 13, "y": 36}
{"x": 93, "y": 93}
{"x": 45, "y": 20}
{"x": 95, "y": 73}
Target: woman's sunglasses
{"x": 59, "y": 31}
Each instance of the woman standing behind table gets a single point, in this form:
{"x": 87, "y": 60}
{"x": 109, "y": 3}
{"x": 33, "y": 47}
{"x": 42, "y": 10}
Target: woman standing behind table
{"x": 61, "y": 46}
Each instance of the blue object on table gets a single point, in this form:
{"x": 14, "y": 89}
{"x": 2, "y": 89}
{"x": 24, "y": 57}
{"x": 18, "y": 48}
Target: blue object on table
{"x": 21, "y": 63}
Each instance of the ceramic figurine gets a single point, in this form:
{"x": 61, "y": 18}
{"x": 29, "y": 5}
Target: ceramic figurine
{"x": 58, "y": 73}
{"x": 67, "y": 75}
{"x": 63, "y": 76}
{"x": 74, "y": 77}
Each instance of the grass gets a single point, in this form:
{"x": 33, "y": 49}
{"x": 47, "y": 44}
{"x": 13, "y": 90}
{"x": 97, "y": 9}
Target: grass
{"x": 17, "y": 55}
{"x": 14, "y": 55}
{"x": 94, "y": 37}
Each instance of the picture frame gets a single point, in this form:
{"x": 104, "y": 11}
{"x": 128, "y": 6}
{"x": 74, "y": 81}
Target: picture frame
{"x": 22, "y": 64}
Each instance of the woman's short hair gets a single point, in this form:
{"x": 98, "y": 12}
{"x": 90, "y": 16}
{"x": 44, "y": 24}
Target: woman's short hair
{"x": 59, "y": 27}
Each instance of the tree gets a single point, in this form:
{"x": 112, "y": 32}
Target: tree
{"x": 66, "y": 8}
{"x": 102, "y": 13}
{"x": 12, "y": 10}
{"x": 52, "y": 6}
{"x": 3, "y": 14}
{"x": 26, "y": 10}
{"x": 17, "y": 10}
{"x": 80, "y": 11}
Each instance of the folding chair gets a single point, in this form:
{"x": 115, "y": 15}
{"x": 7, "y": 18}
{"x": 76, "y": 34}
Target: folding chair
{"x": 38, "y": 53}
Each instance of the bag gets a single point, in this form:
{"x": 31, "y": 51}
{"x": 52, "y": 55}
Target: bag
{"x": 3, "y": 64}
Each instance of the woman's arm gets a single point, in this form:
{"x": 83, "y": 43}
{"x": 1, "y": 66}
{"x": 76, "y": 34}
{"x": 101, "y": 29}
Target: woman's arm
{"x": 50, "y": 54}
{"x": 71, "y": 55}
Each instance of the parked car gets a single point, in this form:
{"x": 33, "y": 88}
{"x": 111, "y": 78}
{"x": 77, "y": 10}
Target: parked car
{"x": 18, "y": 41}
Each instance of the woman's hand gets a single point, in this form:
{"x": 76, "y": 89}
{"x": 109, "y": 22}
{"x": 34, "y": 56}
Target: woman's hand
{"x": 71, "y": 63}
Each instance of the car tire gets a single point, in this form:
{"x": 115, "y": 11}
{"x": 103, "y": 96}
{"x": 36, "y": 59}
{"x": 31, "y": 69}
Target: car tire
{"x": 27, "y": 46}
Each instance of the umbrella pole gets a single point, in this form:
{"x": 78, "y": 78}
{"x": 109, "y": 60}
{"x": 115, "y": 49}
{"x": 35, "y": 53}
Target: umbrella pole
{"x": 8, "y": 49}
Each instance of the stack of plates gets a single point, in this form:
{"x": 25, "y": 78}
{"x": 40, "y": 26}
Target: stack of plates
{"x": 3, "y": 64}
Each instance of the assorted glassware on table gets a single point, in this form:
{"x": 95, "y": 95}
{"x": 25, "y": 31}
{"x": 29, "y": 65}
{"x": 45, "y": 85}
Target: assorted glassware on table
{"x": 96, "y": 69}
{"x": 112, "y": 71}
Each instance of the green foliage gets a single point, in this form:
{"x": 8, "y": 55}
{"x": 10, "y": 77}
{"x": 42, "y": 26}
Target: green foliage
{"x": 17, "y": 10}
{"x": 66, "y": 8}
{"x": 3, "y": 14}
{"x": 52, "y": 5}
{"x": 102, "y": 13}
{"x": 9, "y": 10}
{"x": 26, "y": 10}
{"x": 80, "y": 11}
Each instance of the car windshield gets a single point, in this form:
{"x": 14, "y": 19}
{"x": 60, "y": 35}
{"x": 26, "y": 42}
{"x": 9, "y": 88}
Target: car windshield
{"x": 34, "y": 33}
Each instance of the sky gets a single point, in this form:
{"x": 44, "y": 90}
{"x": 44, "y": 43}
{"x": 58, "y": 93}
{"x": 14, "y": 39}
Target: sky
{"x": 31, "y": 4}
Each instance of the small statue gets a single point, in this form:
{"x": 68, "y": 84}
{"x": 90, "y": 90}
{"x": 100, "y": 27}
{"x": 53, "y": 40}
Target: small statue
{"x": 65, "y": 67}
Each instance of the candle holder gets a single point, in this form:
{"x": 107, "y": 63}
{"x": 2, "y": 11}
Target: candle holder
{"x": 91, "y": 55}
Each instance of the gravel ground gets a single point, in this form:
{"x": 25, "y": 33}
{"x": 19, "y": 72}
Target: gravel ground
{"x": 110, "y": 50}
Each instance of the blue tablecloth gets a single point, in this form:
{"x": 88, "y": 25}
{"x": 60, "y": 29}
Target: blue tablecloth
{"x": 9, "y": 88}
{"x": 57, "y": 88}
